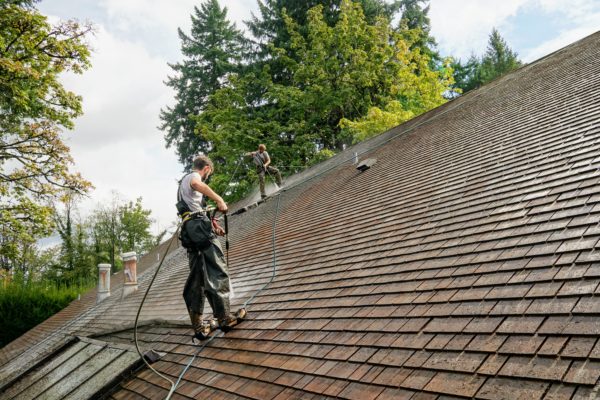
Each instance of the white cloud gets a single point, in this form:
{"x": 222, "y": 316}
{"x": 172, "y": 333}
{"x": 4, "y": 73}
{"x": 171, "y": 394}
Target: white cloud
{"x": 563, "y": 39}
{"x": 168, "y": 15}
{"x": 148, "y": 13}
{"x": 132, "y": 169}
{"x": 116, "y": 144}
{"x": 582, "y": 17}
{"x": 461, "y": 27}
{"x": 122, "y": 92}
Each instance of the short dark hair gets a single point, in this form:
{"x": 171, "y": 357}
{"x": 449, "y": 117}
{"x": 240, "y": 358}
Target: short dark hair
{"x": 202, "y": 161}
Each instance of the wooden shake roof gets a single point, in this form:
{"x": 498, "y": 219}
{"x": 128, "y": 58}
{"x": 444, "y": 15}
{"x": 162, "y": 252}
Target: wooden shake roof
{"x": 463, "y": 264}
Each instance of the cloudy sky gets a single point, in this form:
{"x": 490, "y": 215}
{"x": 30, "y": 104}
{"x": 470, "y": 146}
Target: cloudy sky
{"x": 116, "y": 144}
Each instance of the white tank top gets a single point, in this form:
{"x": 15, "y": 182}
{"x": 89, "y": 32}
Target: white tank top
{"x": 192, "y": 198}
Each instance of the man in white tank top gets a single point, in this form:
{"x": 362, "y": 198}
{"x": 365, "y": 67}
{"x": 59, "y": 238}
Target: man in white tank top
{"x": 208, "y": 269}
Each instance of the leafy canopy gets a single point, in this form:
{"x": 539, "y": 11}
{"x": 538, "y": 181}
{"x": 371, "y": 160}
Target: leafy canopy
{"x": 34, "y": 106}
{"x": 339, "y": 76}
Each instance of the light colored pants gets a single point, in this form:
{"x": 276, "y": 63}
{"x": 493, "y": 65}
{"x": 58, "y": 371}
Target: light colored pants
{"x": 274, "y": 172}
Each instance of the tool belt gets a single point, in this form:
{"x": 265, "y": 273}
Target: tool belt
{"x": 196, "y": 232}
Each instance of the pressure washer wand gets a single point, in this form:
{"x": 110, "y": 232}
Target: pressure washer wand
{"x": 226, "y": 222}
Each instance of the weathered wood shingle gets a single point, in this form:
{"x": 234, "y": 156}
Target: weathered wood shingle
{"x": 465, "y": 263}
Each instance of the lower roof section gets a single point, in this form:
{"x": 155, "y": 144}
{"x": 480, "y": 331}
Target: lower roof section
{"x": 81, "y": 369}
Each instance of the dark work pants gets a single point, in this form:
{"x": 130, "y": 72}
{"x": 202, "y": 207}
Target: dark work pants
{"x": 208, "y": 277}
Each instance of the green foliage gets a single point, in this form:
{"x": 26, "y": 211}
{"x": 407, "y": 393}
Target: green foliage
{"x": 118, "y": 227}
{"x": 339, "y": 76}
{"x": 415, "y": 27}
{"x": 378, "y": 120}
{"x": 271, "y": 29}
{"x": 34, "y": 106}
{"x": 110, "y": 230}
{"x": 212, "y": 50}
{"x": 134, "y": 228}
{"x": 23, "y": 306}
{"x": 465, "y": 74}
{"x": 498, "y": 60}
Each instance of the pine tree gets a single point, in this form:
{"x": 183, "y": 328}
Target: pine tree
{"x": 415, "y": 17}
{"x": 270, "y": 27}
{"x": 271, "y": 31}
{"x": 498, "y": 60}
{"x": 212, "y": 51}
{"x": 338, "y": 73}
{"x": 465, "y": 74}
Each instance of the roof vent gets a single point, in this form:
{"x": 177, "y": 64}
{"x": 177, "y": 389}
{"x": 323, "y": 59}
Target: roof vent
{"x": 366, "y": 164}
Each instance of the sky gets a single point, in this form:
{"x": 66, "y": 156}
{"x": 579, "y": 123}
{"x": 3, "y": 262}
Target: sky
{"x": 116, "y": 143}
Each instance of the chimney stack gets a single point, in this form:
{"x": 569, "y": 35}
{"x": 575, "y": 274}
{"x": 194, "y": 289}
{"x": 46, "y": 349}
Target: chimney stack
{"x": 103, "y": 282}
{"x": 130, "y": 272}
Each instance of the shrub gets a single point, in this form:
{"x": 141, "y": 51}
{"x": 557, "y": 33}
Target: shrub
{"x": 22, "y": 307}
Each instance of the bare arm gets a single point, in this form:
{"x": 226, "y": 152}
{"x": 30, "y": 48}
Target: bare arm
{"x": 268, "y": 161}
{"x": 203, "y": 188}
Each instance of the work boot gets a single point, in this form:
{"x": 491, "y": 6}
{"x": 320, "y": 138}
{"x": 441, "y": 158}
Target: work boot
{"x": 226, "y": 324}
{"x": 204, "y": 330}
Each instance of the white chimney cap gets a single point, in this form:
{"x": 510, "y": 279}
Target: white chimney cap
{"x": 128, "y": 256}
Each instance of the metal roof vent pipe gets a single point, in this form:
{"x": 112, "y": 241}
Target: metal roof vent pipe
{"x": 103, "y": 282}
{"x": 130, "y": 273}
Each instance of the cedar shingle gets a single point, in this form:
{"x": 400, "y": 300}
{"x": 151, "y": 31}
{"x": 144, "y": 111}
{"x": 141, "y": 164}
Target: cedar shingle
{"x": 584, "y": 372}
{"x": 537, "y": 367}
{"x": 508, "y": 389}
{"x": 477, "y": 274}
{"x": 454, "y": 383}
{"x": 579, "y": 347}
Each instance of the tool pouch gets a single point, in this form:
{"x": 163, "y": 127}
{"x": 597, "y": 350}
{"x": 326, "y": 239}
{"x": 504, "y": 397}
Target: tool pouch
{"x": 197, "y": 233}
{"x": 182, "y": 208}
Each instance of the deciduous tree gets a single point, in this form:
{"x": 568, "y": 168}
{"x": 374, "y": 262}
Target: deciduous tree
{"x": 34, "y": 107}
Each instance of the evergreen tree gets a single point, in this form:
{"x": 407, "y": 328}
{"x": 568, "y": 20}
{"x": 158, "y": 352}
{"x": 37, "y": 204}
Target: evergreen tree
{"x": 465, "y": 74}
{"x": 415, "y": 19}
{"x": 270, "y": 29}
{"x": 498, "y": 60}
{"x": 212, "y": 51}
{"x": 337, "y": 74}
{"x": 269, "y": 26}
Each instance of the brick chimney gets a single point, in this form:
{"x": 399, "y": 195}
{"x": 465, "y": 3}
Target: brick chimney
{"x": 130, "y": 272}
{"x": 103, "y": 282}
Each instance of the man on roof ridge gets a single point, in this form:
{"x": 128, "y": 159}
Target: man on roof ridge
{"x": 263, "y": 166}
